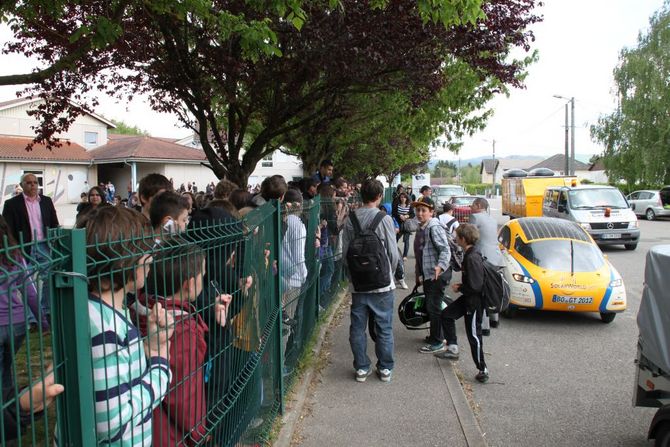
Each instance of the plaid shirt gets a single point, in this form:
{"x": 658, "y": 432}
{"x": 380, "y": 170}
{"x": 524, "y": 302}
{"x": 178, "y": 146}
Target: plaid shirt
{"x": 435, "y": 249}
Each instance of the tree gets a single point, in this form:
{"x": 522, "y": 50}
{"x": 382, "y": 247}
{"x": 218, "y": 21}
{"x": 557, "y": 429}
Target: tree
{"x": 122, "y": 128}
{"x": 637, "y": 135}
{"x": 242, "y": 74}
{"x": 444, "y": 168}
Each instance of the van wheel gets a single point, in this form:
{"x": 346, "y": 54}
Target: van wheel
{"x": 650, "y": 215}
{"x": 607, "y": 317}
{"x": 663, "y": 436}
{"x": 631, "y": 246}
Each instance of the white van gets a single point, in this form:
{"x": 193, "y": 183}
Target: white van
{"x": 600, "y": 210}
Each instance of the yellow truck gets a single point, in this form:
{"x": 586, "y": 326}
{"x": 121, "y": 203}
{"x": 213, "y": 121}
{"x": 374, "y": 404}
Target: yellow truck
{"x": 522, "y": 195}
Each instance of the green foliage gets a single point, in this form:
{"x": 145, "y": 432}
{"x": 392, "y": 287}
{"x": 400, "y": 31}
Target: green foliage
{"x": 470, "y": 174}
{"x": 123, "y": 128}
{"x": 637, "y": 135}
{"x": 444, "y": 168}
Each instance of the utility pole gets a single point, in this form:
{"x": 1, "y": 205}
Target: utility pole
{"x": 570, "y": 167}
{"x": 566, "y": 171}
{"x": 493, "y": 191}
{"x": 572, "y": 136}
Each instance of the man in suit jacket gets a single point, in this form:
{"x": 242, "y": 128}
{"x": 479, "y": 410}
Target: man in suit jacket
{"x": 488, "y": 247}
{"x": 30, "y": 212}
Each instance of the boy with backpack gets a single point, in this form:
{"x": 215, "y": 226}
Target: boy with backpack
{"x": 433, "y": 270}
{"x": 371, "y": 256}
{"x": 470, "y": 304}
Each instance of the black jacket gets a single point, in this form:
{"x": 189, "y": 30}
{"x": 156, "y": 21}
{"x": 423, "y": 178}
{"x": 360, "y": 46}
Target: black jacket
{"x": 473, "y": 278}
{"x": 16, "y": 215}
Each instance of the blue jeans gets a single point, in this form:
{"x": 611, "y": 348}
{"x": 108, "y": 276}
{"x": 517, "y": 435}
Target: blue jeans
{"x": 327, "y": 270}
{"x": 17, "y": 333}
{"x": 42, "y": 255}
{"x": 381, "y": 306}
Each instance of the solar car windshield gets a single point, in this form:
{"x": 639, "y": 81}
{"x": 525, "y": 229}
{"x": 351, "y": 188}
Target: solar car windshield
{"x": 560, "y": 254}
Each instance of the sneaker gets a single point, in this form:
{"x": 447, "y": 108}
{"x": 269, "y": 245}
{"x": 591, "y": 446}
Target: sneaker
{"x": 404, "y": 258}
{"x": 482, "y": 376}
{"x": 402, "y": 284}
{"x": 451, "y": 353}
{"x": 486, "y": 332}
{"x": 384, "y": 374}
{"x": 432, "y": 349}
{"x": 362, "y": 374}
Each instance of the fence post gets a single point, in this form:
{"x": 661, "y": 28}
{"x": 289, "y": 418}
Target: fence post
{"x": 72, "y": 350}
{"x": 276, "y": 236}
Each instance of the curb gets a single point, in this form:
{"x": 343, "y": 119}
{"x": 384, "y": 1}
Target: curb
{"x": 291, "y": 417}
{"x": 466, "y": 418}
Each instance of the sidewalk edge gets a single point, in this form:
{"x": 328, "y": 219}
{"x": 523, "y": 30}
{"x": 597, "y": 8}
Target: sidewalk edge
{"x": 290, "y": 418}
{"x": 469, "y": 425}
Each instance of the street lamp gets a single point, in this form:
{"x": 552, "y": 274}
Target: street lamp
{"x": 569, "y": 165}
{"x": 493, "y": 176}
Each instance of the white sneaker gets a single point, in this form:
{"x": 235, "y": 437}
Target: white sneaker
{"x": 402, "y": 284}
{"x": 384, "y": 374}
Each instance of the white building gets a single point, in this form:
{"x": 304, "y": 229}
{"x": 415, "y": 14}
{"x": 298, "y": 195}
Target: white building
{"x": 288, "y": 166}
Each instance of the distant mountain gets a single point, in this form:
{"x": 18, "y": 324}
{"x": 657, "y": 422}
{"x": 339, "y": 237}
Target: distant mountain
{"x": 584, "y": 158}
{"x": 478, "y": 160}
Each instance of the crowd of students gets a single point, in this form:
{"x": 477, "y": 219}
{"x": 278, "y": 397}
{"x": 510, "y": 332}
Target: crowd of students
{"x": 160, "y": 299}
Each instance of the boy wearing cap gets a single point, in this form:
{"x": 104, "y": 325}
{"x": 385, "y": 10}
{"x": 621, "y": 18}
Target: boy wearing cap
{"x": 432, "y": 253}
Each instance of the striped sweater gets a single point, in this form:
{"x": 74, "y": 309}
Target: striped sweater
{"x": 127, "y": 387}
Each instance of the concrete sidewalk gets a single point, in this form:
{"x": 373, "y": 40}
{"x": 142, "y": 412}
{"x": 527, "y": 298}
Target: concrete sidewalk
{"x": 424, "y": 405}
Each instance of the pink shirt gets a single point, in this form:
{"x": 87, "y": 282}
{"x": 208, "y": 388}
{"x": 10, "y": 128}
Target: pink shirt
{"x": 35, "y": 216}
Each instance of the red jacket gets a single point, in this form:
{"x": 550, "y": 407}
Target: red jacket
{"x": 180, "y": 418}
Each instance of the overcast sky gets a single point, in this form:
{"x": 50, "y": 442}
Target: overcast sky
{"x": 578, "y": 43}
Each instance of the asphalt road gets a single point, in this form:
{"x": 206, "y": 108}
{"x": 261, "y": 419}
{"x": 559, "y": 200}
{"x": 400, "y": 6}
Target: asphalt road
{"x": 567, "y": 379}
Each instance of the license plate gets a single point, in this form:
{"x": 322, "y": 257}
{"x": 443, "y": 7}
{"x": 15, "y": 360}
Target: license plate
{"x": 611, "y": 236}
{"x": 572, "y": 299}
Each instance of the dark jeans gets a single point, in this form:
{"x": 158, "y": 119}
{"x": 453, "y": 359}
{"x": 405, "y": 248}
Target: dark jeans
{"x": 8, "y": 334}
{"x": 405, "y": 240}
{"x": 473, "y": 328}
{"x": 400, "y": 270}
{"x": 434, "y": 291}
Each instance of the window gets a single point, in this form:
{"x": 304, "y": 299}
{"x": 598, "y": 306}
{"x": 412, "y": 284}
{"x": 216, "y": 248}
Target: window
{"x": 505, "y": 236}
{"x": 561, "y": 254}
{"x": 634, "y": 196}
{"x": 40, "y": 177}
{"x": 91, "y": 138}
{"x": 266, "y": 162}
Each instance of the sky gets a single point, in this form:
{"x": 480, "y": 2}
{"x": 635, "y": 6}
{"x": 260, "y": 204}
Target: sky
{"x": 578, "y": 44}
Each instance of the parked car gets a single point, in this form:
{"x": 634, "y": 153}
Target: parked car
{"x": 650, "y": 203}
{"x": 554, "y": 264}
{"x": 462, "y": 205}
{"x": 442, "y": 193}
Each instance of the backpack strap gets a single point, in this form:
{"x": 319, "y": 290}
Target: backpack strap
{"x": 373, "y": 226}
{"x": 356, "y": 224}
{"x": 451, "y": 223}
{"x": 375, "y": 222}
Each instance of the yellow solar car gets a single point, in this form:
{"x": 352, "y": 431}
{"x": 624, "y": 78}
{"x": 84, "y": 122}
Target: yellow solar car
{"x": 553, "y": 264}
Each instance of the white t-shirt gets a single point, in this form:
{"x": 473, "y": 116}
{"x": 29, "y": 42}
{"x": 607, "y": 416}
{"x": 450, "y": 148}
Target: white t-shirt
{"x": 445, "y": 219}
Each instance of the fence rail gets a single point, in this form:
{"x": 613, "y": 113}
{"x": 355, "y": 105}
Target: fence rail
{"x": 240, "y": 299}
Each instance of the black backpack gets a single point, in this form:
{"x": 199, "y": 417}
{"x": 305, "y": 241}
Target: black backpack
{"x": 455, "y": 250}
{"x": 367, "y": 259}
{"x": 495, "y": 292}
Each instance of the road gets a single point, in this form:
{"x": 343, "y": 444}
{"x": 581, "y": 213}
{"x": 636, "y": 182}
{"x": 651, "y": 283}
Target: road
{"x": 567, "y": 379}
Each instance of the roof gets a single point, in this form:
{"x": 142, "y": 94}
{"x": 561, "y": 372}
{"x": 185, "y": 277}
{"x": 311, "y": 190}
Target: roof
{"x": 505, "y": 164}
{"x": 14, "y": 148}
{"x": 4, "y": 105}
{"x": 143, "y": 148}
{"x": 487, "y": 164}
{"x": 557, "y": 163}
{"x": 549, "y": 227}
{"x": 599, "y": 165}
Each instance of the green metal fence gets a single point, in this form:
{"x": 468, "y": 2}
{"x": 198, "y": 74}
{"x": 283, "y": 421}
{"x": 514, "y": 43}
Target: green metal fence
{"x": 187, "y": 339}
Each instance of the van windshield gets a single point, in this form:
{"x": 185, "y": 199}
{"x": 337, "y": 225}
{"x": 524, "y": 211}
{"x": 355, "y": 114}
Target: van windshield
{"x": 559, "y": 254}
{"x": 597, "y": 198}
